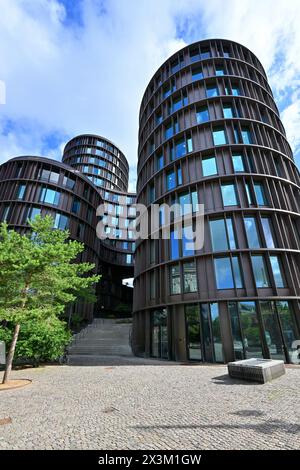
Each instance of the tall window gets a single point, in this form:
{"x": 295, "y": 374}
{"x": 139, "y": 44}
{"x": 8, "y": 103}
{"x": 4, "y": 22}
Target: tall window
{"x": 5, "y": 213}
{"x": 229, "y": 194}
{"x": 205, "y": 54}
{"x": 268, "y": 232}
{"x": 219, "y": 136}
{"x": 212, "y": 90}
{"x": 260, "y": 194}
{"x": 34, "y": 211}
{"x": 209, "y": 166}
{"x": 160, "y": 162}
{"x": 260, "y": 271}
{"x": 227, "y": 111}
{"x": 49, "y": 196}
{"x": 171, "y": 180}
{"x": 61, "y": 221}
{"x": 238, "y": 162}
{"x": 222, "y": 234}
{"x": 252, "y": 232}
{"x": 175, "y": 279}
{"x": 249, "y": 194}
{"x": 174, "y": 244}
{"x": 76, "y": 206}
{"x": 276, "y": 268}
{"x": 187, "y": 241}
{"x": 190, "y": 277}
{"x": 21, "y": 191}
{"x": 246, "y": 135}
{"x": 228, "y": 273}
{"x": 202, "y": 115}
{"x": 151, "y": 193}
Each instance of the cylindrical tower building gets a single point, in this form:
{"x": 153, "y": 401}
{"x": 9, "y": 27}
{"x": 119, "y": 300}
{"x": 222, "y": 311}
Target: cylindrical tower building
{"x": 107, "y": 167}
{"x": 210, "y": 133}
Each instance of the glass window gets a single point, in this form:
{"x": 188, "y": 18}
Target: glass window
{"x": 174, "y": 243}
{"x": 34, "y": 211}
{"x": 190, "y": 144}
{"x": 54, "y": 177}
{"x": 211, "y": 91}
{"x": 216, "y": 332}
{"x": 236, "y": 331}
{"x": 190, "y": 277}
{"x": 169, "y": 131}
{"x": 194, "y": 55}
{"x": 246, "y": 135}
{"x": 252, "y": 232}
{"x": 180, "y": 148}
{"x": 202, "y": 115}
{"x": 260, "y": 194}
{"x": 226, "y": 53}
{"x": 187, "y": 241}
{"x": 5, "y": 213}
{"x": 21, "y": 191}
{"x": 272, "y": 330}
{"x": 219, "y": 136}
{"x": 219, "y": 70}
{"x": 249, "y": 194}
{"x": 129, "y": 261}
{"x": 152, "y": 285}
{"x": 179, "y": 176}
{"x": 185, "y": 203}
{"x": 160, "y": 162}
{"x": 151, "y": 193}
{"x": 175, "y": 279}
{"x": 288, "y": 325}
{"x": 222, "y": 239}
{"x": 68, "y": 182}
{"x": 238, "y": 163}
{"x": 171, "y": 180}
{"x": 209, "y": 166}
{"x": 76, "y": 206}
{"x": 61, "y": 221}
{"x": 235, "y": 90}
{"x": 279, "y": 282}
{"x": 268, "y": 232}
{"x": 229, "y": 194}
{"x": 228, "y": 273}
{"x": 250, "y": 329}
{"x": 197, "y": 74}
{"x": 227, "y": 111}
{"x": 193, "y": 331}
{"x": 260, "y": 271}
{"x": 237, "y": 272}
{"x": 49, "y": 196}
{"x": 159, "y": 334}
{"x": 224, "y": 274}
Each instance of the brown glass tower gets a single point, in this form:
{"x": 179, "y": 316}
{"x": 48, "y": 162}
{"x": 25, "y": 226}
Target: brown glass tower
{"x": 210, "y": 133}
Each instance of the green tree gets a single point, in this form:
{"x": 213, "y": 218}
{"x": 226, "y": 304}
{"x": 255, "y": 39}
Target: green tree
{"x": 39, "y": 276}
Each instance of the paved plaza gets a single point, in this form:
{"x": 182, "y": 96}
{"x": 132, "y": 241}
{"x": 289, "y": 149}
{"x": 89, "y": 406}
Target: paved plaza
{"x": 140, "y": 404}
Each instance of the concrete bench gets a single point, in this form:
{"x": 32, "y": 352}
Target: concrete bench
{"x": 256, "y": 370}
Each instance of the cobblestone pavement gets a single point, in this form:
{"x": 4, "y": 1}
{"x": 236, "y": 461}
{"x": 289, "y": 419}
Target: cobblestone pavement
{"x": 149, "y": 405}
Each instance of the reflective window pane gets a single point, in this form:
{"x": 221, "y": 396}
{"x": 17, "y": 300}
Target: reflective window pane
{"x": 252, "y": 232}
{"x": 224, "y": 274}
{"x": 216, "y": 332}
{"x": 229, "y": 194}
{"x": 260, "y": 271}
{"x": 202, "y": 115}
{"x": 236, "y": 331}
{"x": 190, "y": 277}
{"x": 209, "y": 166}
{"x": 219, "y": 137}
{"x": 218, "y": 235}
{"x": 260, "y": 194}
{"x": 268, "y": 232}
{"x": 238, "y": 163}
{"x": 272, "y": 330}
{"x": 174, "y": 242}
{"x": 279, "y": 282}
{"x": 250, "y": 330}
{"x": 187, "y": 241}
{"x": 175, "y": 279}
{"x": 288, "y": 326}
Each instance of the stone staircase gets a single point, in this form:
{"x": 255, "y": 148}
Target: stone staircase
{"x": 103, "y": 337}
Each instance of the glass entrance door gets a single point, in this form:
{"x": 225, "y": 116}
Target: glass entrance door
{"x": 159, "y": 334}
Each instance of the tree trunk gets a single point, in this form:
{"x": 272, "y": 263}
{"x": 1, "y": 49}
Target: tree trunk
{"x": 11, "y": 354}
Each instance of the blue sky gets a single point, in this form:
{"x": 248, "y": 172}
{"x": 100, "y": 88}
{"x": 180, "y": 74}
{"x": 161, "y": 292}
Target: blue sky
{"x": 76, "y": 66}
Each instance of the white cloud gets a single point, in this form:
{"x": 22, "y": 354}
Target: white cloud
{"x": 66, "y": 79}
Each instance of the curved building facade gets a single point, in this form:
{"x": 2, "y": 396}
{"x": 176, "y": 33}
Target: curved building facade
{"x": 210, "y": 133}
{"x": 34, "y": 185}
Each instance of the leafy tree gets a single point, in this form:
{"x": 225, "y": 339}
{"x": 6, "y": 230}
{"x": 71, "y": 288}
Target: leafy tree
{"x": 39, "y": 341}
{"x": 39, "y": 276}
